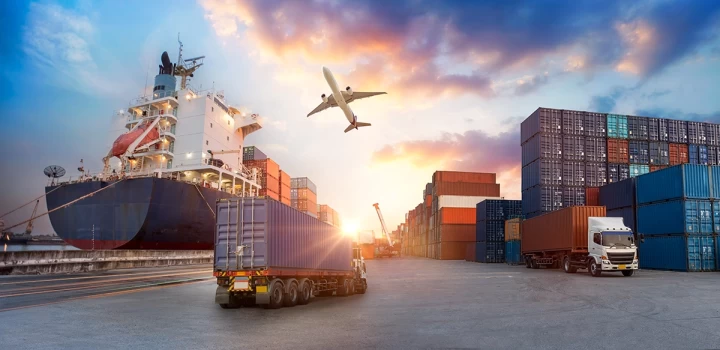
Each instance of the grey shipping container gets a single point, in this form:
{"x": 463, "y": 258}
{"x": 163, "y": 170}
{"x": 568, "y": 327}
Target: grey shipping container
{"x": 542, "y": 172}
{"x": 659, "y": 153}
{"x": 677, "y": 131}
{"x": 573, "y": 123}
{"x": 543, "y": 120}
{"x": 573, "y": 173}
{"x": 573, "y": 147}
{"x": 303, "y": 182}
{"x": 595, "y": 149}
{"x": 637, "y": 128}
{"x": 253, "y": 153}
{"x": 253, "y": 234}
{"x": 573, "y": 197}
{"x": 696, "y": 133}
{"x": 595, "y": 124}
{"x": 595, "y": 174}
{"x": 712, "y": 155}
{"x": 618, "y": 172}
{"x": 638, "y": 152}
{"x": 657, "y": 129}
{"x": 542, "y": 199}
{"x": 712, "y": 132}
{"x": 546, "y": 146}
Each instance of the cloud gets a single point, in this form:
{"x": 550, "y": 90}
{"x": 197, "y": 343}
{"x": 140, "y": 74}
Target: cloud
{"x": 656, "y": 94}
{"x": 678, "y": 114}
{"x": 606, "y": 103}
{"x": 525, "y": 87}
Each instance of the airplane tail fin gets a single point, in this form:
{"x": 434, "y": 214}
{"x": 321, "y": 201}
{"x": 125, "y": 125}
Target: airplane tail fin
{"x": 357, "y": 125}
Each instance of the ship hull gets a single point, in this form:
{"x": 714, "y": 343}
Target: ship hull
{"x": 142, "y": 213}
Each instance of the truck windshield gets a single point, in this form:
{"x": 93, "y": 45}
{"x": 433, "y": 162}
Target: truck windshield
{"x": 617, "y": 238}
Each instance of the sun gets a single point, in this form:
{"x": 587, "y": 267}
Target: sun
{"x": 350, "y": 229}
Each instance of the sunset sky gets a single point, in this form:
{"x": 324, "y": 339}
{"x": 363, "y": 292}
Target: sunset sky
{"x": 460, "y": 76}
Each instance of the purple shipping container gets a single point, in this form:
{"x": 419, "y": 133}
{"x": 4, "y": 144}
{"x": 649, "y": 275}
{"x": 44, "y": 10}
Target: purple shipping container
{"x": 573, "y": 123}
{"x": 573, "y": 173}
{"x": 618, "y": 195}
{"x": 595, "y": 124}
{"x": 542, "y": 146}
{"x": 573, "y": 197}
{"x": 595, "y": 149}
{"x": 618, "y": 172}
{"x": 696, "y": 133}
{"x": 543, "y": 120}
{"x": 638, "y": 151}
{"x": 659, "y": 153}
{"x": 258, "y": 233}
{"x": 637, "y": 128}
{"x": 657, "y": 129}
{"x": 542, "y": 199}
{"x": 677, "y": 131}
{"x": 712, "y": 132}
{"x": 542, "y": 172}
{"x": 595, "y": 174}
{"x": 573, "y": 147}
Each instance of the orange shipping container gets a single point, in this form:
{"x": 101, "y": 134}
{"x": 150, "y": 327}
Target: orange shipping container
{"x": 562, "y": 230}
{"x": 655, "y": 168}
{"x": 284, "y": 178}
{"x": 457, "y": 233}
{"x": 470, "y": 252}
{"x": 467, "y": 189}
{"x": 428, "y": 201}
{"x": 285, "y": 191}
{"x": 678, "y": 153}
{"x": 267, "y": 193}
{"x": 266, "y": 166}
{"x": 368, "y": 251}
{"x": 461, "y": 176}
{"x": 617, "y": 151}
{"x": 452, "y": 250}
{"x": 457, "y": 216}
{"x": 512, "y": 230}
{"x": 592, "y": 195}
{"x": 285, "y": 201}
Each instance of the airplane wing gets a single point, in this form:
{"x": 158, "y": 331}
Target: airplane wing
{"x": 323, "y": 106}
{"x": 359, "y": 94}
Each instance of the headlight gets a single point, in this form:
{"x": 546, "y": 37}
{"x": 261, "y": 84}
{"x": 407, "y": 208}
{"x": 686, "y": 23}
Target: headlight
{"x": 606, "y": 262}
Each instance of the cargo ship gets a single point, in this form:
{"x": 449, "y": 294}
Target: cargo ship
{"x": 182, "y": 152}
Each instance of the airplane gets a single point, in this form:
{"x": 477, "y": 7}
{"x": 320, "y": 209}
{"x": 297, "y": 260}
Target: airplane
{"x": 341, "y": 99}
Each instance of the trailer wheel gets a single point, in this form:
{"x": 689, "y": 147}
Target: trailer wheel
{"x": 344, "y": 289}
{"x": 363, "y": 289}
{"x": 534, "y": 264}
{"x": 566, "y": 265}
{"x": 304, "y": 293}
{"x": 291, "y": 297}
{"x": 628, "y": 273}
{"x": 277, "y": 294}
{"x": 351, "y": 284}
{"x": 527, "y": 262}
{"x": 594, "y": 269}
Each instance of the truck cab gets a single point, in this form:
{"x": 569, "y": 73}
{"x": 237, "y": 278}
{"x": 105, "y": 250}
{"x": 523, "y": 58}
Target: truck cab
{"x": 360, "y": 270}
{"x": 611, "y": 247}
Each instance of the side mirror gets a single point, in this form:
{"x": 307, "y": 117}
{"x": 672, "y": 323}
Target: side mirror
{"x": 642, "y": 238}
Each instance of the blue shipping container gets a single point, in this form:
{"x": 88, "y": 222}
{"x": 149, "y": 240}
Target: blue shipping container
{"x": 546, "y": 146}
{"x": 680, "y": 181}
{"x": 637, "y": 170}
{"x": 618, "y": 172}
{"x": 628, "y": 215}
{"x": 490, "y": 231}
{"x": 542, "y": 172}
{"x": 657, "y": 129}
{"x": 512, "y": 253}
{"x": 678, "y": 253}
{"x": 716, "y": 216}
{"x": 617, "y": 126}
{"x": 490, "y": 252}
{"x": 542, "y": 199}
{"x": 543, "y": 120}
{"x": 715, "y": 182}
{"x": 618, "y": 195}
{"x": 698, "y": 154}
{"x": 573, "y": 197}
{"x": 573, "y": 173}
{"x": 497, "y": 209}
{"x": 677, "y": 131}
{"x": 692, "y": 217}
{"x": 595, "y": 174}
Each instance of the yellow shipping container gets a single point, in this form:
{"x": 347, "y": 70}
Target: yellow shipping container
{"x": 512, "y": 230}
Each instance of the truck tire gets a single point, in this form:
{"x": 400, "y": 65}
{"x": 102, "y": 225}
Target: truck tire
{"x": 290, "y": 298}
{"x": 594, "y": 269}
{"x": 534, "y": 264}
{"x": 363, "y": 289}
{"x": 277, "y": 294}
{"x": 304, "y": 292}
{"x": 628, "y": 273}
{"x": 567, "y": 266}
{"x": 343, "y": 288}
{"x": 527, "y": 262}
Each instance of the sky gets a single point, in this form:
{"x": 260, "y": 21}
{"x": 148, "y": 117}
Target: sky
{"x": 460, "y": 77}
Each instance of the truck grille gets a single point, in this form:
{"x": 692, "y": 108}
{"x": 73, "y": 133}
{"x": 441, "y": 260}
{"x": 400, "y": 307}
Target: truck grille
{"x": 621, "y": 258}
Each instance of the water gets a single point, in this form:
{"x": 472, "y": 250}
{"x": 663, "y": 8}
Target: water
{"x": 30, "y": 247}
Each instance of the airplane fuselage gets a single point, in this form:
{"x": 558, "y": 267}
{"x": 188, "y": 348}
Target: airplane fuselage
{"x": 339, "y": 99}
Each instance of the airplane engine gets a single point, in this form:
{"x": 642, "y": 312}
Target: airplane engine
{"x": 349, "y": 90}
{"x": 324, "y": 98}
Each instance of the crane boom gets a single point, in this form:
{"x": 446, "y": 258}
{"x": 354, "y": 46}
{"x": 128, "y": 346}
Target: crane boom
{"x": 29, "y": 227}
{"x": 382, "y": 222}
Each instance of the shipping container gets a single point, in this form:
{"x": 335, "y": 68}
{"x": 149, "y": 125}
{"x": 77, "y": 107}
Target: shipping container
{"x": 659, "y": 153}
{"x": 696, "y": 133}
{"x": 595, "y": 124}
{"x": 712, "y": 155}
{"x": 284, "y": 178}
{"x": 562, "y": 230}
{"x": 267, "y": 193}
{"x": 573, "y": 123}
{"x": 542, "y": 172}
{"x": 489, "y": 231}
{"x": 637, "y": 128}
{"x": 678, "y": 153}
{"x": 546, "y": 146}
{"x": 657, "y": 167}
{"x": 462, "y": 176}
{"x": 573, "y": 196}
{"x": 573, "y": 147}
{"x": 712, "y": 132}
{"x": 490, "y": 252}
{"x": 285, "y": 191}
{"x": 368, "y": 251}
{"x": 466, "y": 189}
{"x": 595, "y": 149}
{"x": 637, "y": 170}
{"x": 573, "y": 173}
{"x": 542, "y": 199}
{"x": 591, "y": 196}
{"x": 658, "y": 129}
{"x": 448, "y": 250}
{"x": 512, "y": 253}
{"x": 678, "y": 253}
{"x": 304, "y": 205}
{"x": 512, "y": 229}
{"x": 618, "y": 172}
{"x": 457, "y": 232}
{"x": 690, "y": 216}
{"x": 470, "y": 252}
{"x": 461, "y": 201}
{"x": 428, "y": 189}
{"x": 457, "y": 216}
{"x": 716, "y": 216}
{"x": 595, "y": 174}
{"x": 677, "y": 131}
{"x": 267, "y": 167}
{"x": 619, "y": 194}
{"x": 638, "y": 152}
{"x": 280, "y": 237}
{"x": 498, "y": 209}
{"x": 253, "y": 153}
{"x": 617, "y": 151}
{"x": 303, "y": 193}
{"x": 303, "y": 182}
{"x": 715, "y": 182}
{"x": 617, "y": 126}
{"x": 543, "y": 120}
{"x": 285, "y": 201}
{"x": 698, "y": 154}
{"x": 628, "y": 216}
{"x": 685, "y": 181}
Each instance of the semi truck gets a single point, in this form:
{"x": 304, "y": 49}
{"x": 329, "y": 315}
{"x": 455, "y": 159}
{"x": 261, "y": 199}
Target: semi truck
{"x": 270, "y": 254}
{"x": 579, "y": 238}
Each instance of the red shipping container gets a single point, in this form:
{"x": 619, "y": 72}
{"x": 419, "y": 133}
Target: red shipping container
{"x": 678, "y": 153}
{"x": 461, "y": 176}
{"x": 457, "y": 233}
{"x": 467, "y": 189}
{"x": 657, "y": 167}
{"x": 452, "y": 250}
{"x": 428, "y": 201}
{"x": 562, "y": 230}
{"x": 457, "y": 216}
{"x": 368, "y": 251}
{"x": 618, "y": 151}
{"x": 592, "y": 195}
{"x": 284, "y": 178}
{"x": 470, "y": 252}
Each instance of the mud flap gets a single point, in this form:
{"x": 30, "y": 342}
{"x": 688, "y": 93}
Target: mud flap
{"x": 262, "y": 298}
{"x": 222, "y": 296}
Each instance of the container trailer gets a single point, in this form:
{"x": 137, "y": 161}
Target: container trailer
{"x": 270, "y": 254}
{"x": 579, "y": 238}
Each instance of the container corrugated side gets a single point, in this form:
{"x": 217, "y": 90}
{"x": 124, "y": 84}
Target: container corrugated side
{"x": 512, "y": 253}
{"x": 542, "y": 172}
{"x": 678, "y": 253}
{"x": 489, "y": 231}
{"x": 565, "y": 229}
{"x": 275, "y": 235}
{"x": 498, "y": 209}
{"x": 715, "y": 182}
{"x": 680, "y": 181}
{"x": 463, "y": 176}
{"x": 573, "y": 147}
{"x": 545, "y": 146}
{"x": 591, "y": 196}
{"x": 618, "y": 195}
{"x": 512, "y": 229}
{"x": 457, "y": 216}
{"x": 470, "y": 252}
{"x": 545, "y": 120}
{"x": 676, "y": 217}
{"x": 628, "y": 215}
{"x": 467, "y": 189}
{"x": 284, "y": 178}
{"x": 451, "y": 250}
{"x": 461, "y": 201}
{"x": 457, "y": 232}
{"x": 490, "y": 252}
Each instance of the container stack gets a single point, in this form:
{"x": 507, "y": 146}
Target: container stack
{"x": 513, "y": 253}
{"x": 253, "y": 153}
{"x": 678, "y": 218}
{"x": 619, "y": 200}
{"x": 269, "y": 173}
{"x": 564, "y": 152}
{"x": 490, "y": 228}
{"x": 303, "y": 195}
{"x": 284, "y": 187}
{"x": 328, "y": 215}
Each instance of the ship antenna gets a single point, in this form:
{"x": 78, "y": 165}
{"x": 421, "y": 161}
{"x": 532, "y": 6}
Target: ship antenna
{"x": 184, "y": 71}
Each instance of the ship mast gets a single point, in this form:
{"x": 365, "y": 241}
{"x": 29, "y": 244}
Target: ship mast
{"x": 183, "y": 70}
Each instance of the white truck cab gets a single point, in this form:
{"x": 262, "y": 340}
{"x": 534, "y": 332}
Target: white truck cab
{"x": 611, "y": 246}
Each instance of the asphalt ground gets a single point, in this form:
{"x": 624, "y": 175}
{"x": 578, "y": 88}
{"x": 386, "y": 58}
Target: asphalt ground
{"x": 411, "y": 303}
